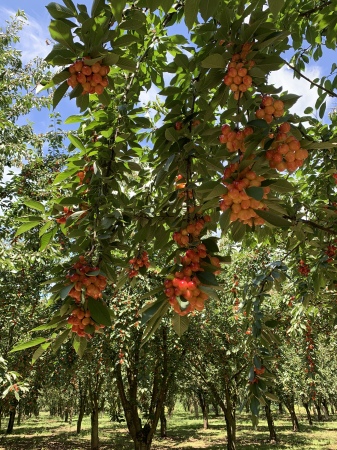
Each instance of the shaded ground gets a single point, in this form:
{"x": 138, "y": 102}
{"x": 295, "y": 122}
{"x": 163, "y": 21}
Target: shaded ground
{"x": 184, "y": 432}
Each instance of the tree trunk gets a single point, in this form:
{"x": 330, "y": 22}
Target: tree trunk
{"x": 127, "y": 389}
{"x": 163, "y": 423}
{"x": 80, "y": 414}
{"x": 307, "y": 409}
{"x": 291, "y": 409}
{"x": 66, "y": 415}
{"x": 94, "y": 428}
{"x": 215, "y": 409}
{"x": 319, "y": 412}
{"x": 231, "y": 432}
{"x": 195, "y": 409}
{"x": 204, "y": 408}
{"x": 11, "y": 419}
{"x": 270, "y": 422}
{"x": 18, "y": 421}
{"x": 280, "y": 408}
{"x": 325, "y": 409}
{"x": 139, "y": 445}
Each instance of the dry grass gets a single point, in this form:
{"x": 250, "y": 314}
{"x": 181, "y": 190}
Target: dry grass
{"x": 184, "y": 432}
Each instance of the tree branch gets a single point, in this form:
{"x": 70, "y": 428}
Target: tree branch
{"x": 332, "y": 94}
{"x": 315, "y": 9}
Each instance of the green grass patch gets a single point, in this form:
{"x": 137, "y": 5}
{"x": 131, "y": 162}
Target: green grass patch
{"x": 184, "y": 432}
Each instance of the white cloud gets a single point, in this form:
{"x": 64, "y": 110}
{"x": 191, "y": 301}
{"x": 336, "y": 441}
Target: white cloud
{"x": 284, "y": 77}
{"x": 33, "y": 37}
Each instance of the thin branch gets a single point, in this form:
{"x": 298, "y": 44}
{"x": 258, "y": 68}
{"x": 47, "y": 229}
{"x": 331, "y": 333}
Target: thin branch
{"x": 315, "y": 9}
{"x": 314, "y": 225}
{"x": 332, "y": 94}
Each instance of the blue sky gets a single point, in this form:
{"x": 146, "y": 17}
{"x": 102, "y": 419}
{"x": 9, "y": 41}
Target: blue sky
{"x": 35, "y": 34}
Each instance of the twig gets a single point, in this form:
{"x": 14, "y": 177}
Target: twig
{"x": 332, "y": 94}
{"x": 315, "y": 9}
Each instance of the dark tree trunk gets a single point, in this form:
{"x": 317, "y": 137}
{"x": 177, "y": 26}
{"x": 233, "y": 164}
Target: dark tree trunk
{"x": 81, "y": 413}
{"x": 231, "y": 432}
{"x": 66, "y": 415}
{"x": 319, "y": 412}
{"x": 18, "y": 421}
{"x": 196, "y": 409}
{"x": 270, "y": 422}
{"x": 291, "y": 408}
{"x": 215, "y": 409}
{"x": 94, "y": 429}
{"x": 280, "y": 408}
{"x": 204, "y": 407}
{"x": 228, "y": 409}
{"x": 142, "y": 436}
{"x": 307, "y": 409}
{"x": 163, "y": 423}
{"x": 11, "y": 420}
{"x": 325, "y": 409}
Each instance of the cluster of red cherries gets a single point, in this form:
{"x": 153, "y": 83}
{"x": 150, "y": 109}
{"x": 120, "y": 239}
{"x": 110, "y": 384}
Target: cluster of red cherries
{"x": 185, "y": 284}
{"x": 93, "y": 78}
{"x": 142, "y": 260}
{"x": 85, "y": 283}
{"x": 66, "y": 213}
{"x": 303, "y": 268}
{"x": 82, "y": 323}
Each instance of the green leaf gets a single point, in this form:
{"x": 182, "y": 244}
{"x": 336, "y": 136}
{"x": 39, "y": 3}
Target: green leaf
{"x": 80, "y": 345}
{"x": 171, "y": 134}
{"x": 104, "y": 98}
{"x": 225, "y": 220}
{"x": 76, "y": 142}
{"x": 271, "y": 396}
{"x": 180, "y": 324}
{"x": 59, "y": 11}
{"x": 46, "y": 238}
{"x": 208, "y": 8}
{"x": 34, "y": 205}
{"x": 97, "y": 7}
{"x": 150, "y": 309}
{"x": 65, "y": 291}
{"x": 117, "y": 9}
{"x": 47, "y": 326}
{"x": 61, "y": 76}
{"x": 77, "y": 91}
{"x": 110, "y": 59}
{"x": 211, "y": 244}
{"x": 191, "y": 12}
{"x": 39, "y": 351}
{"x": 99, "y": 312}
{"x": 154, "y": 322}
{"x": 238, "y": 231}
{"x": 64, "y": 175}
{"x": 275, "y": 7}
{"x": 214, "y": 61}
{"x": 60, "y": 339}
{"x": 217, "y": 191}
{"x": 126, "y": 64}
{"x": 281, "y": 185}
{"x": 319, "y": 145}
{"x": 148, "y": 295}
{"x": 59, "y": 93}
{"x": 27, "y": 226}
{"x": 60, "y": 31}
{"x": 273, "y": 219}
{"x": 255, "y": 192}
{"x": 24, "y": 345}
{"x": 73, "y": 119}
{"x": 208, "y": 278}
{"x": 210, "y": 292}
